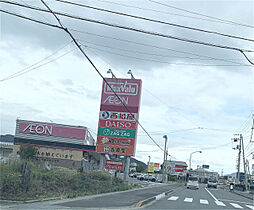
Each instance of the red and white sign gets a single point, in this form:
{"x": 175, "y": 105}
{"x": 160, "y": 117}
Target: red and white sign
{"x": 114, "y": 165}
{"x": 121, "y": 124}
{"x": 109, "y": 115}
{"x": 44, "y": 129}
{"x": 119, "y": 113}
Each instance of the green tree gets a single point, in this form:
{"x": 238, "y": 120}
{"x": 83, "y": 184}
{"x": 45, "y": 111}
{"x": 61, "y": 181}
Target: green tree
{"x": 140, "y": 168}
{"x": 27, "y": 152}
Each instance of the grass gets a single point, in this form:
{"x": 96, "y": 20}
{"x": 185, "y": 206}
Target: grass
{"x": 38, "y": 183}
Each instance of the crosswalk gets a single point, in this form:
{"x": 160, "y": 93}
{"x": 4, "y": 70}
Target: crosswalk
{"x": 206, "y": 202}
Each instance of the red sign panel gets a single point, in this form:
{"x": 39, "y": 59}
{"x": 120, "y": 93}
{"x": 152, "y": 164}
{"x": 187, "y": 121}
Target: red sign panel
{"x": 115, "y": 116}
{"x": 128, "y": 90}
{"x": 129, "y": 125}
{"x": 51, "y": 130}
{"x": 114, "y": 165}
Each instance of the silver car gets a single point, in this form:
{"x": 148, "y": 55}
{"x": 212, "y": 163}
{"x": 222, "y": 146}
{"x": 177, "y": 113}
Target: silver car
{"x": 193, "y": 183}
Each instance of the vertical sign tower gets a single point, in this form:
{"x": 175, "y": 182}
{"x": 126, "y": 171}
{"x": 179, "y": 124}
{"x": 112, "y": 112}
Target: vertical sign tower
{"x": 117, "y": 129}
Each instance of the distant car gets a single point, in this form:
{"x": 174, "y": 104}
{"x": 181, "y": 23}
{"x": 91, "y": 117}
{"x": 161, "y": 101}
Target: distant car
{"x": 136, "y": 174}
{"x": 212, "y": 182}
{"x": 131, "y": 175}
{"x": 149, "y": 177}
{"x": 192, "y": 183}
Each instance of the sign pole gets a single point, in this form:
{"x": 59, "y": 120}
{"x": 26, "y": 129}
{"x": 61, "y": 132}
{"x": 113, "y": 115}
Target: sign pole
{"x": 126, "y": 168}
{"x": 102, "y": 162}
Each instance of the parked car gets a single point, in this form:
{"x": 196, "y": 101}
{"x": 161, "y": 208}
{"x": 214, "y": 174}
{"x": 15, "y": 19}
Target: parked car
{"x": 140, "y": 177}
{"x": 136, "y": 174}
{"x": 149, "y": 177}
{"x": 192, "y": 183}
{"x": 212, "y": 182}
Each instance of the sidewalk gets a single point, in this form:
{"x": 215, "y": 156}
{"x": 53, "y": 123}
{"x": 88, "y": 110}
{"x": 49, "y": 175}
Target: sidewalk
{"x": 245, "y": 194}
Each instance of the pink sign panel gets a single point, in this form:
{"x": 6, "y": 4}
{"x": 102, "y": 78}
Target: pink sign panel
{"x": 51, "y": 130}
{"x": 128, "y": 90}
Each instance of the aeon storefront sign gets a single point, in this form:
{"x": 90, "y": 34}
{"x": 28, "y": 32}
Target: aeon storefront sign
{"x": 39, "y": 129}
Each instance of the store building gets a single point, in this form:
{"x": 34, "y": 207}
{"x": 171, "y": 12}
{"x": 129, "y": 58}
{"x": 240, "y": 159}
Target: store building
{"x": 57, "y": 144}
{"x": 176, "y": 168}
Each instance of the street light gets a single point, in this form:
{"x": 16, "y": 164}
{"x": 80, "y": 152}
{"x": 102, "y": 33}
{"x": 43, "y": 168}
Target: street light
{"x": 111, "y": 72}
{"x": 129, "y": 72}
{"x": 191, "y": 156}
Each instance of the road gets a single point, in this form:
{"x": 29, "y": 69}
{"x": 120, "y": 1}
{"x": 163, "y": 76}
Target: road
{"x": 183, "y": 198}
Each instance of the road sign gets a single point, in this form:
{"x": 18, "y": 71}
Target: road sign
{"x": 114, "y": 165}
{"x": 117, "y": 122}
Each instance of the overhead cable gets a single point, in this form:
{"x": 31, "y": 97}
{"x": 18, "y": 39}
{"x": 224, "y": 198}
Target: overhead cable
{"x": 152, "y": 60}
{"x": 28, "y": 68}
{"x": 242, "y": 51}
{"x": 156, "y": 21}
{"x": 167, "y": 12}
{"x": 196, "y": 13}
{"x": 155, "y": 46}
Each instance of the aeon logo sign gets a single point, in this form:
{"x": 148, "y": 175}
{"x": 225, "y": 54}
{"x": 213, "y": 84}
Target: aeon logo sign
{"x": 39, "y": 129}
{"x": 122, "y": 88}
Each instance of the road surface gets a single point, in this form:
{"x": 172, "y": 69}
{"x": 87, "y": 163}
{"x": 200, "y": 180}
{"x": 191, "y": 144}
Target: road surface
{"x": 204, "y": 198}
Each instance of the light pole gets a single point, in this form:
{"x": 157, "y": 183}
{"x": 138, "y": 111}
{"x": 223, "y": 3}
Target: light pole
{"x": 149, "y": 157}
{"x": 191, "y": 156}
{"x": 164, "y": 160}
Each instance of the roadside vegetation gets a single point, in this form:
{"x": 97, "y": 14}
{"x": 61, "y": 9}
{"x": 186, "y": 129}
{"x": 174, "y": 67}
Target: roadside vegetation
{"x": 25, "y": 180}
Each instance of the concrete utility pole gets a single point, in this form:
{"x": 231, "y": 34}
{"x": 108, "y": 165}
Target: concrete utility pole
{"x": 164, "y": 159}
{"x": 244, "y": 165}
{"x": 149, "y": 158}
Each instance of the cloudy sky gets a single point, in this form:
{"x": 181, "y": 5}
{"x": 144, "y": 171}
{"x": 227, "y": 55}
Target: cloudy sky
{"x": 197, "y": 95}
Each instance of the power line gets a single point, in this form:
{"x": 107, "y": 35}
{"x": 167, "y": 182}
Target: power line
{"x": 242, "y": 51}
{"x": 146, "y": 53}
{"x": 156, "y": 21}
{"x": 165, "y": 12}
{"x": 26, "y": 69}
{"x": 196, "y": 13}
{"x": 152, "y": 60}
{"x": 154, "y": 46}
{"x": 95, "y": 68}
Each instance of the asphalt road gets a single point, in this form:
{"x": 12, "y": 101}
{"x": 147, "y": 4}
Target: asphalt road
{"x": 203, "y": 198}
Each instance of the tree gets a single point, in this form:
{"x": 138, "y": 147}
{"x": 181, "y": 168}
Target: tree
{"x": 27, "y": 152}
{"x": 141, "y": 168}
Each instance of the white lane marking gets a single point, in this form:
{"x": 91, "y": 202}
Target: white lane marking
{"x": 251, "y": 207}
{"x": 173, "y": 198}
{"x": 236, "y": 205}
{"x": 234, "y": 201}
{"x": 219, "y": 203}
{"x": 160, "y": 196}
{"x": 188, "y": 200}
{"x": 211, "y": 194}
{"x": 204, "y": 201}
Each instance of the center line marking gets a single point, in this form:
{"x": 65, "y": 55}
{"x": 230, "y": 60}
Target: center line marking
{"x": 204, "y": 201}
{"x": 211, "y": 194}
{"x": 188, "y": 200}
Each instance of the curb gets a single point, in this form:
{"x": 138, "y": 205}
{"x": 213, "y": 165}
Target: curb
{"x": 157, "y": 197}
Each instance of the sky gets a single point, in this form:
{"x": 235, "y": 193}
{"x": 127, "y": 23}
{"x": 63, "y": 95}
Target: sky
{"x": 199, "y": 96}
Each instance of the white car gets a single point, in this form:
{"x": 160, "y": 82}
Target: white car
{"x": 193, "y": 183}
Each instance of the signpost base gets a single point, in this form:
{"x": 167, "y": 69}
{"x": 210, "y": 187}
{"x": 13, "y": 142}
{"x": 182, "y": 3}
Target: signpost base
{"x": 126, "y": 169}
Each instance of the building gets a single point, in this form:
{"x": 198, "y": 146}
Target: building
{"x": 57, "y": 144}
{"x": 176, "y": 168}
{"x": 204, "y": 174}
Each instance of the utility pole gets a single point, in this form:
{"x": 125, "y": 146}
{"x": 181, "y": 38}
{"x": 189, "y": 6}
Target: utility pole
{"x": 126, "y": 168}
{"x": 164, "y": 159}
{"x": 149, "y": 157}
{"x": 238, "y": 146}
{"x": 244, "y": 165}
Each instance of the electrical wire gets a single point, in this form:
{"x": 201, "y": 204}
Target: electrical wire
{"x": 196, "y": 13}
{"x": 155, "y": 20}
{"x": 146, "y": 53}
{"x": 157, "y": 61}
{"x": 154, "y": 46}
{"x": 242, "y": 51}
{"x": 28, "y": 69}
{"x": 166, "y": 12}
{"x": 36, "y": 63}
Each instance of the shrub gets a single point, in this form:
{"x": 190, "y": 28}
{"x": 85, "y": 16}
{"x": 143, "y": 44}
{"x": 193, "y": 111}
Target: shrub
{"x": 27, "y": 152}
